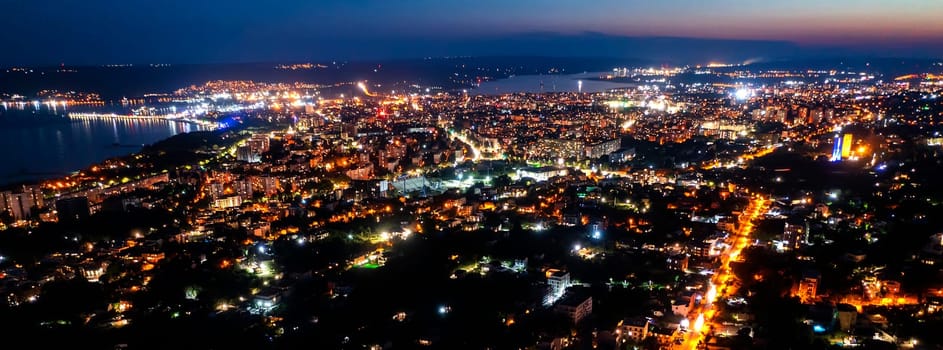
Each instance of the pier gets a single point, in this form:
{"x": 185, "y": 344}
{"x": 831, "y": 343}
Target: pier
{"x": 179, "y": 117}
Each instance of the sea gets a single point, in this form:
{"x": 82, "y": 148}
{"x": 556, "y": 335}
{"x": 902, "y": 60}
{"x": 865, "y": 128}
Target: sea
{"x": 40, "y": 142}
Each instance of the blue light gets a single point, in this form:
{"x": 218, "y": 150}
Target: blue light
{"x": 597, "y": 235}
{"x": 818, "y": 329}
{"x": 836, "y": 148}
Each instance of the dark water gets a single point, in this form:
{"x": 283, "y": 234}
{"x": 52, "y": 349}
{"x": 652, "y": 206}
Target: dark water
{"x": 37, "y": 144}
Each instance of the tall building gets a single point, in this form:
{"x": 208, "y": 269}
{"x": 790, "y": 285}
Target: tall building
{"x": 836, "y": 148}
{"x": 794, "y": 234}
{"x": 557, "y": 282}
{"x": 808, "y": 287}
{"x": 243, "y": 188}
{"x": 259, "y": 143}
{"x": 248, "y": 155}
{"x": 18, "y": 204}
{"x": 72, "y": 210}
{"x": 36, "y": 194}
{"x": 846, "y": 143}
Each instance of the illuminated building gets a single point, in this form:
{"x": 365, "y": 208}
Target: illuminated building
{"x": 228, "y": 202}
{"x": 259, "y": 143}
{"x": 246, "y": 154}
{"x": 556, "y": 148}
{"x": 557, "y": 281}
{"x": 266, "y": 301}
{"x": 836, "y": 148}
{"x": 18, "y": 204}
{"x": 92, "y": 272}
{"x": 846, "y": 143}
{"x": 634, "y": 328}
{"x": 542, "y": 173}
{"x": 808, "y": 287}
{"x": 794, "y": 234}
{"x": 604, "y": 148}
{"x": 575, "y": 305}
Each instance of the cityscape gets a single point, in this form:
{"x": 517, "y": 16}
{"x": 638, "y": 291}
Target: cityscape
{"x": 475, "y": 201}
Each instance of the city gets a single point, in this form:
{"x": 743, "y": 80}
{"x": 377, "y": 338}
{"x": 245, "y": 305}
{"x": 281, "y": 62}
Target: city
{"x": 480, "y": 203}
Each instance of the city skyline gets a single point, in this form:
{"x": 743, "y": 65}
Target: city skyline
{"x": 52, "y": 32}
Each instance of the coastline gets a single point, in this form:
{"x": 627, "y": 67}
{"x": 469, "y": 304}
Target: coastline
{"x": 48, "y": 151}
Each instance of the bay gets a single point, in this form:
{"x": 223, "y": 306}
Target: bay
{"x": 37, "y": 143}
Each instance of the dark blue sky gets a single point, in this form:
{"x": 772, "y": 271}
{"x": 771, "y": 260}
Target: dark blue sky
{"x": 195, "y": 31}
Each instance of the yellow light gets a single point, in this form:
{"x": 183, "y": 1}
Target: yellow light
{"x": 711, "y": 294}
{"x": 847, "y": 139}
{"x": 699, "y": 323}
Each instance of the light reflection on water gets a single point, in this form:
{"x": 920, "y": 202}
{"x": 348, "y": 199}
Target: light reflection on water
{"x": 37, "y": 144}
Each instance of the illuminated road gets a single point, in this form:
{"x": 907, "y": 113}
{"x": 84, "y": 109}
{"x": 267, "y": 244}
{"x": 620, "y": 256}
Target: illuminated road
{"x": 762, "y": 152}
{"x": 719, "y": 287}
{"x": 363, "y": 87}
{"x": 476, "y": 154}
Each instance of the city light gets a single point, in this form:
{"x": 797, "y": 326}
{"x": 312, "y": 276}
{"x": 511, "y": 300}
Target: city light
{"x": 699, "y": 323}
{"x": 743, "y": 94}
{"x": 711, "y": 294}
{"x": 693, "y": 185}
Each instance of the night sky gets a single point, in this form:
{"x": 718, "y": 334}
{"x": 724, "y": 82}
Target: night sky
{"x": 198, "y": 31}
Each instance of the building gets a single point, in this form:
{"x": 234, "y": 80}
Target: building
{"x": 847, "y": 316}
{"x": 258, "y": 143}
{"x": 72, "y": 210}
{"x": 553, "y": 149}
{"x": 678, "y": 262}
{"x": 622, "y": 155}
{"x": 836, "y": 148}
{"x": 227, "y": 202}
{"x": 604, "y": 148}
{"x": 18, "y": 204}
{"x": 794, "y": 234}
{"x": 243, "y": 188}
{"x": 541, "y": 173}
{"x": 682, "y": 306}
{"x": 846, "y": 143}
{"x": 266, "y": 301}
{"x": 808, "y": 287}
{"x": 841, "y": 147}
{"x": 270, "y": 185}
{"x": 576, "y": 305}
{"x": 92, "y": 272}
{"x": 635, "y": 328}
{"x": 557, "y": 282}
{"x": 246, "y": 154}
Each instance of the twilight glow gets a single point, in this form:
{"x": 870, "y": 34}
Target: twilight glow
{"x": 210, "y": 30}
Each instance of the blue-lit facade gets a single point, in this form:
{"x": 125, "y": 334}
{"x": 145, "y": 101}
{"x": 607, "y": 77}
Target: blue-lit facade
{"x": 836, "y": 148}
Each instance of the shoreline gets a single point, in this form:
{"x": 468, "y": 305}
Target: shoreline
{"x": 26, "y": 176}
